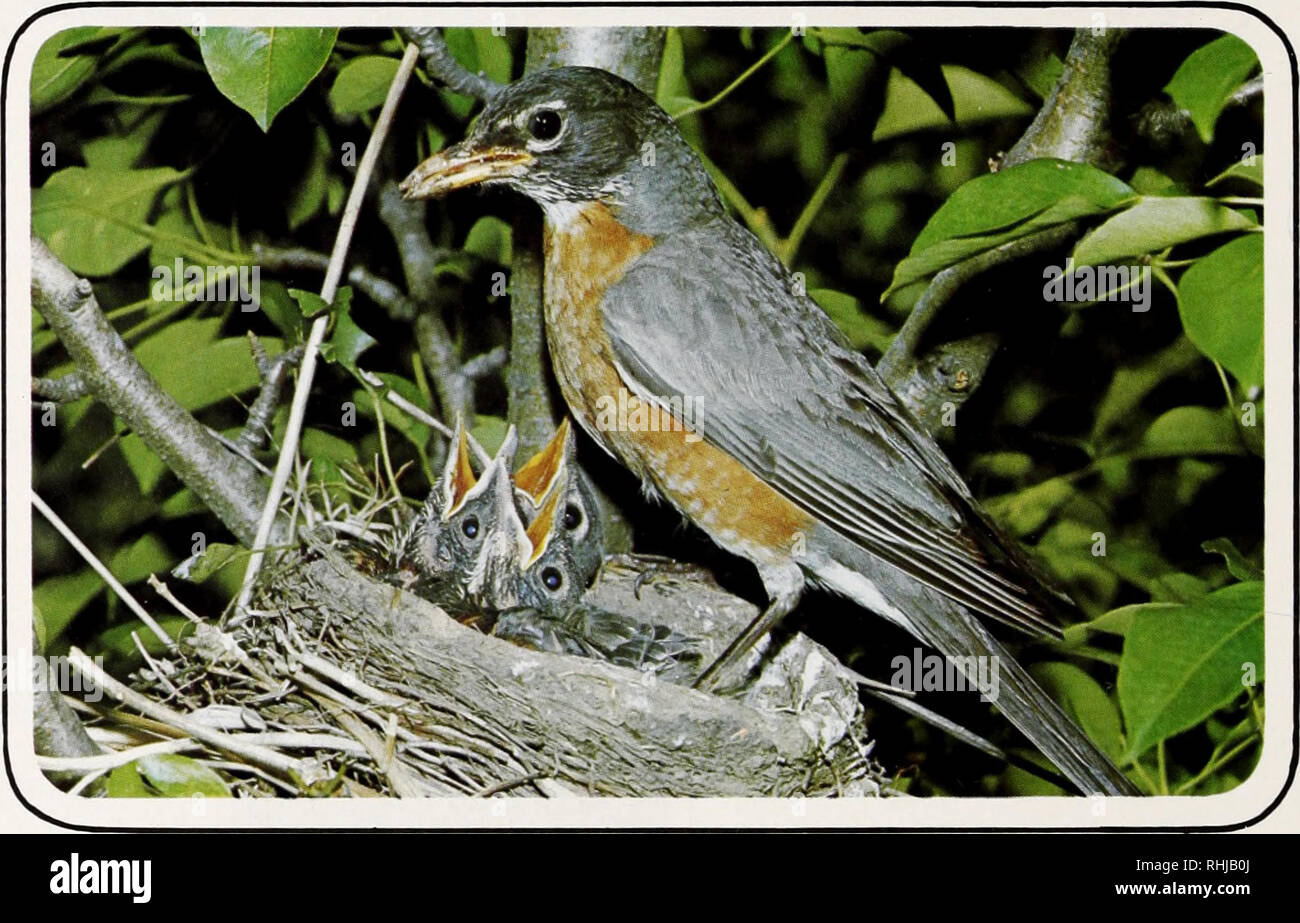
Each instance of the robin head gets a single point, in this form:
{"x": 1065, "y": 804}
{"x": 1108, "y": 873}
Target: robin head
{"x": 572, "y": 136}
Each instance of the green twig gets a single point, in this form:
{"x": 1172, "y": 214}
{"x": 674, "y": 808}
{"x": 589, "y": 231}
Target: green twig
{"x": 748, "y": 72}
{"x": 805, "y": 219}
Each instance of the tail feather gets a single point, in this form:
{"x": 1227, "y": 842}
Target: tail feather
{"x": 1025, "y": 704}
{"x": 957, "y": 634}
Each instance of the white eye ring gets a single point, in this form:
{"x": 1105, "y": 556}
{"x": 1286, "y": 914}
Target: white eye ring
{"x": 524, "y": 123}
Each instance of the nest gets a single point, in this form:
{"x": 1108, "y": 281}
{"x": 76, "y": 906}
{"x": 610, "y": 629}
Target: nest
{"x": 342, "y": 684}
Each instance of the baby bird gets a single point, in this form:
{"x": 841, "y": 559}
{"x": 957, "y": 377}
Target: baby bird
{"x": 551, "y": 616}
{"x": 556, "y": 464}
{"x": 468, "y": 543}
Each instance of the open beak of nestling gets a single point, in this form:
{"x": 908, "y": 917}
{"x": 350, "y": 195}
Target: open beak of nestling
{"x": 463, "y": 165}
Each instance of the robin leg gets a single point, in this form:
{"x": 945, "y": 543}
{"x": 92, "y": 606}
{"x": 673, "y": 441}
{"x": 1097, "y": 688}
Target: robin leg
{"x": 784, "y": 584}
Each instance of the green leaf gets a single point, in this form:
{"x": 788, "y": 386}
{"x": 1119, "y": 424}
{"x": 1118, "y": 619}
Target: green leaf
{"x": 146, "y": 555}
{"x": 1085, "y": 701}
{"x": 1221, "y": 301}
{"x": 167, "y": 775}
{"x": 490, "y": 432}
{"x": 1238, "y": 564}
{"x": 42, "y": 632}
{"x": 976, "y": 99}
{"x": 199, "y": 567}
{"x": 61, "y": 598}
{"x": 176, "y": 776}
{"x": 172, "y": 355}
{"x": 1005, "y": 464}
{"x": 1115, "y": 622}
{"x": 308, "y": 196}
{"x": 478, "y": 50}
{"x": 1040, "y": 71}
{"x": 121, "y": 151}
{"x": 1190, "y": 431}
{"x": 362, "y": 84}
{"x": 311, "y": 304}
{"x": 897, "y": 49}
{"x": 1180, "y": 665}
{"x": 1132, "y": 383}
{"x": 318, "y": 444}
{"x": 1026, "y": 511}
{"x": 1207, "y": 78}
{"x": 1066, "y": 549}
{"x": 126, "y": 782}
{"x": 861, "y": 328}
{"x": 1154, "y": 223}
{"x": 116, "y": 642}
{"x": 1251, "y": 171}
{"x": 147, "y": 468}
{"x": 672, "y": 83}
{"x": 991, "y": 210}
{"x": 58, "y": 70}
{"x": 89, "y": 215}
{"x": 347, "y": 341}
{"x": 263, "y": 69}
{"x": 281, "y": 310}
{"x": 1150, "y": 181}
{"x": 494, "y": 57}
{"x": 490, "y": 238}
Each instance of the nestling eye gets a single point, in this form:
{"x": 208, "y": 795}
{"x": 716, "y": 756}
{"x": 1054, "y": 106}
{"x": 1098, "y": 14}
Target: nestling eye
{"x": 545, "y": 124}
{"x": 470, "y": 527}
{"x": 552, "y": 579}
{"x": 572, "y": 517}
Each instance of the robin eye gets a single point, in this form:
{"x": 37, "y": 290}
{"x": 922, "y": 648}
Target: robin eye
{"x": 572, "y": 517}
{"x": 545, "y": 124}
{"x": 470, "y": 527}
{"x": 552, "y": 579}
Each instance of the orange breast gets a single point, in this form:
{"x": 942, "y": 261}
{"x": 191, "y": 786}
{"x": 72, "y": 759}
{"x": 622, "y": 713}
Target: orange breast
{"x": 720, "y": 495}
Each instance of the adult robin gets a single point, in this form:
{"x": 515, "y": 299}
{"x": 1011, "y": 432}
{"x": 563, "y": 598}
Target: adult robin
{"x": 796, "y": 455}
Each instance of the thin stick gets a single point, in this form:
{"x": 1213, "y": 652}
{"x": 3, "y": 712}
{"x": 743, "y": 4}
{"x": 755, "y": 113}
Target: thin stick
{"x": 165, "y": 592}
{"x": 106, "y": 761}
{"x": 423, "y": 416}
{"x": 307, "y": 370}
{"x": 100, "y": 568}
{"x": 748, "y": 72}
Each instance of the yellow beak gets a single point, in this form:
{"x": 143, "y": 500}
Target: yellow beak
{"x": 460, "y": 166}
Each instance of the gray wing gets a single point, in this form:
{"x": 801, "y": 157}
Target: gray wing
{"x": 780, "y": 391}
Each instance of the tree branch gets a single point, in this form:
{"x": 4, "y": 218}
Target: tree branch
{"x": 405, "y": 221}
{"x": 442, "y": 65}
{"x": 227, "y": 484}
{"x": 1073, "y": 124}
